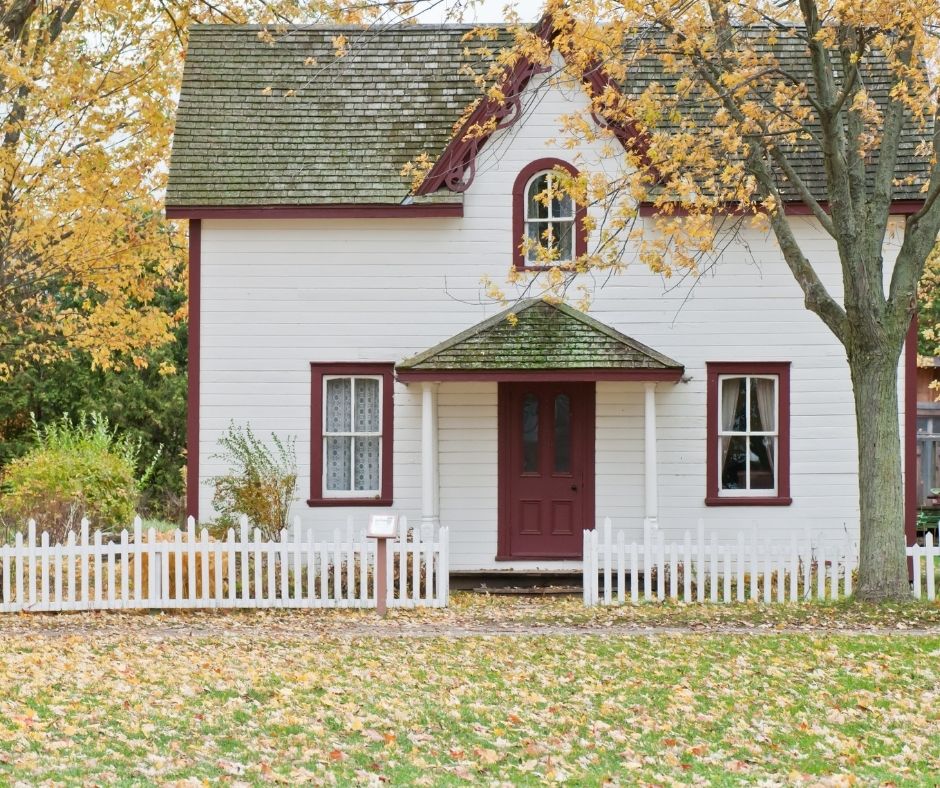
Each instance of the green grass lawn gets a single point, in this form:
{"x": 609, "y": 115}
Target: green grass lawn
{"x": 248, "y": 707}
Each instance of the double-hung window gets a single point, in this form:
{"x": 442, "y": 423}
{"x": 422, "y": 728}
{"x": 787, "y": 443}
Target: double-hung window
{"x": 748, "y": 433}
{"x": 351, "y": 435}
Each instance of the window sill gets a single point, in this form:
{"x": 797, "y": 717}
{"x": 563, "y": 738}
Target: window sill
{"x": 720, "y": 500}
{"x": 568, "y": 267}
{"x": 316, "y": 502}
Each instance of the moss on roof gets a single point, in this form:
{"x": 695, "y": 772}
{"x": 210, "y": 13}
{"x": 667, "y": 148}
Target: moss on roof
{"x": 263, "y": 124}
{"x": 537, "y": 334}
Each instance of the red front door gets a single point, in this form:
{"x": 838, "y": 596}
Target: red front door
{"x": 546, "y": 469}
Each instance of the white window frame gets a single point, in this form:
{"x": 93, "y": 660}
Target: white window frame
{"x": 325, "y": 491}
{"x": 546, "y": 222}
{"x": 748, "y": 434}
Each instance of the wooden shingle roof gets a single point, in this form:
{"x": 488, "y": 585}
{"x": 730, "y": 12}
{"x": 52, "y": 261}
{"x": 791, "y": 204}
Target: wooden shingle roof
{"x": 342, "y": 136}
{"x": 537, "y": 335}
{"x": 291, "y": 124}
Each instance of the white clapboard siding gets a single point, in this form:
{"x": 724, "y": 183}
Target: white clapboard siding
{"x": 277, "y": 293}
{"x": 186, "y": 569}
{"x": 706, "y": 568}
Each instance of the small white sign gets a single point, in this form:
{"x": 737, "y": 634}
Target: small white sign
{"x": 382, "y": 526}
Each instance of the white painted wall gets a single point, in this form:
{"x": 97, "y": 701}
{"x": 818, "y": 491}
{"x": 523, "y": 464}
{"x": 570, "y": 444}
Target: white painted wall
{"x": 278, "y": 294}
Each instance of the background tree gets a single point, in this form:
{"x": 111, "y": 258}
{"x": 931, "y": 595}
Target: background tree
{"x": 719, "y": 138}
{"x": 92, "y": 277}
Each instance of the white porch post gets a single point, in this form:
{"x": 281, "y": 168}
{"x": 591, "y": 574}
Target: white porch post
{"x": 430, "y": 512}
{"x": 649, "y": 453}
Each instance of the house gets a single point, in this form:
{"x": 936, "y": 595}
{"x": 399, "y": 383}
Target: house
{"x": 329, "y": 303}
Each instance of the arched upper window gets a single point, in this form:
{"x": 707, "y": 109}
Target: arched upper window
{"x": 549, "y": 219}
{"x": 546, "y": 218}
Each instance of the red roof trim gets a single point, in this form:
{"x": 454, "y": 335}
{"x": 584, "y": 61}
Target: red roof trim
{"x": 337, "y": 211}
{"x": 518, "y": 212}
{"x": 540, "y": 375}
{"x": 456, "y": 166}
{"x": 796, "y": 208}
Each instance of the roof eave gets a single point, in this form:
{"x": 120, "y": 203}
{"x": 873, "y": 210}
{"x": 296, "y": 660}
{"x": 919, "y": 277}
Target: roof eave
{"x": 585, "y": 375}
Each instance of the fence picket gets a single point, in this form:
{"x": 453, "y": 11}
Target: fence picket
{"x": 739, "y": 565}
{"x": 44, "y": 569}
{"x": 204, "y": 568}
{"x": 138, "y": 558}
{"x": 282, "y": 560}
{"x": 768, "y": 573}
{"x": 794, "y": 568}
{"x": 713, "y": 572}
{"x": 755, "y": 571}
{"x": 220, "y": 567}
{"x": 660, "y": 568}
{"x": 112, "y": 572}
{"x": 31, "y": 562}
{"x": 673, "y": 571}
{"x": 634, "y": 574}
{"x": 608, "y": 561}
{"x": 821, "y": 573}
{"x": 929, "y": 571}
{"x": 57, "y": 592}
{"x": 7, "y": 600}
{"x": 621, "y": 568}
{"x": 687, "y": 568}
{"x": 270, "y": 551}
{"x": 700, "y": 562}
{"x": 726, "y": 568}
{"x": 83, "y": 597}
{"x": 849, "y": 567}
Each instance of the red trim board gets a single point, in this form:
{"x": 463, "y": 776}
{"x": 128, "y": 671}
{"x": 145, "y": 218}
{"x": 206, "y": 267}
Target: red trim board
{"x": 910, "y": 435}
{"x": 540, "y": 375}
{"x": 782, "y": 370}
{"x": 192, "y": 367}
{"x": 338, "y": 211}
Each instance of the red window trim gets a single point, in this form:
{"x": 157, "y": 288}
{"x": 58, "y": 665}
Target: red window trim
{"x": 782, "y": 370}
{"x": 518, "y": 212}
{"x": 317, "y": 372}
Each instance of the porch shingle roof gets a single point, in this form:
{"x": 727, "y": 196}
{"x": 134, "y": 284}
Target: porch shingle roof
{"x": 542, "y": 336}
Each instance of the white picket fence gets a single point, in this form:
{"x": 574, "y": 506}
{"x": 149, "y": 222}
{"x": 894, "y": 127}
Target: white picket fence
{"x": 699, "y": 570}
{"x": 185, "y": 570}
{"x": 925, "y": 584}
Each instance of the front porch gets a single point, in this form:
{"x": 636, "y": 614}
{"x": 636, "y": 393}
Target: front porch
{"x": 533, "y": 424}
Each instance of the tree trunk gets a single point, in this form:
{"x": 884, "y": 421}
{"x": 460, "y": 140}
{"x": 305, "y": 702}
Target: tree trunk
{"x": 882, "y": 569}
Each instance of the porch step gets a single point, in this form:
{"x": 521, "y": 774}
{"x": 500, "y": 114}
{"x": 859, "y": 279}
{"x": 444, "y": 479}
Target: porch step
{"x": 530, "y": 590}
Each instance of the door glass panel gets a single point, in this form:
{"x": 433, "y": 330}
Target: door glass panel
{"x": 562, "y": 433}
{"x": 530, "y": 433}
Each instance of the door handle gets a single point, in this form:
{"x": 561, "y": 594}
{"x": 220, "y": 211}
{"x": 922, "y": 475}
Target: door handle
{"x": 574, "y": 487}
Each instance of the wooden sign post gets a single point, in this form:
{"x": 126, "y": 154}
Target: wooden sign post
{"x": 382, "y": 527}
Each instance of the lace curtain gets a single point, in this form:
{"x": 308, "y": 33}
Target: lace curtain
{"x": 352, "y": 459}
{"x": 732, "y": 391}
{"x": 763, "y": 390}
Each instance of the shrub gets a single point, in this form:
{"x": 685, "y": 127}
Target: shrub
{"x": 74, "y": 470}
{"x": 260, "y": 484}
